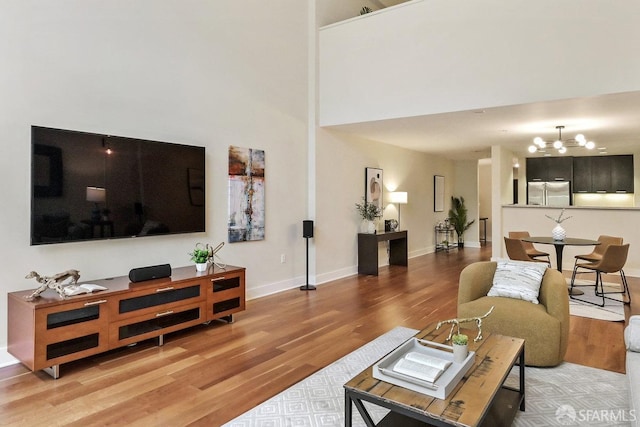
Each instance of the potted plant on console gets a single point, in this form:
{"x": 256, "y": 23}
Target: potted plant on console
{"x": 369, "y": 212}
{"x": 200, "y": 256}
{"x": 458, "y": 218}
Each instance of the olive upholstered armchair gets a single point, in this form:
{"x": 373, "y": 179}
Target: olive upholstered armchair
{"x": 543, "y": 326}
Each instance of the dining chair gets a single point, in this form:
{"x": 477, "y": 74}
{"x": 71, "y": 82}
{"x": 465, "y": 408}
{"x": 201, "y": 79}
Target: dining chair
{"x": 598, "y": 250}
{"x": 516, "y": 251}
{"x": 528, "y": 246}
{"x": 613, "y": 260}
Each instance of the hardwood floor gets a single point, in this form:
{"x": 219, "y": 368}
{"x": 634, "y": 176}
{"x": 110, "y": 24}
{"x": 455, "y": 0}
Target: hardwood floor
{"x": 208, "y": 375}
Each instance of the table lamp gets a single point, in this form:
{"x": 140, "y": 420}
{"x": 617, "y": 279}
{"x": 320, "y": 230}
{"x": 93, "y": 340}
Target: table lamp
{"x": 399, "y": 198}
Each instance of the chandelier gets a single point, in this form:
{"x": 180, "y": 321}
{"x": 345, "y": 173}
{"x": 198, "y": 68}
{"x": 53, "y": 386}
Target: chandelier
{"x": 540, "y": 145}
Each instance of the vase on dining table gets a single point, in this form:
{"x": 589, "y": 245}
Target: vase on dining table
{"x": 558, "y": 233}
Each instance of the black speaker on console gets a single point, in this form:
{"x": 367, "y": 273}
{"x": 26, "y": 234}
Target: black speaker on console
{"x": 307, "y": 232}
{"x": 307, "y": 228}
{"x": 152, "y": 272}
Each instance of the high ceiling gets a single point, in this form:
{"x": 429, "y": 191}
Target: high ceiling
{"x": 611, "y": 121}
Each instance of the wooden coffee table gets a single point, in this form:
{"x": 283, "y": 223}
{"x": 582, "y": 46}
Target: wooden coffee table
{"x": 480, "y": 398}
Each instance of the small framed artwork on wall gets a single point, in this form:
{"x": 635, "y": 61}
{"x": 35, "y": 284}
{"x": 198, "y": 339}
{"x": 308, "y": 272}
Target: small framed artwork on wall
{"x": 373, "y": 186}
{"x": 438, "y": 193}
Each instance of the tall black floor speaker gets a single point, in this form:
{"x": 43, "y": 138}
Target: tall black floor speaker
{"x": 307, "y": 233}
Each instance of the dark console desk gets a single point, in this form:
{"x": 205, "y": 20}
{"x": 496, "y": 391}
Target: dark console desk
{"x": 368, "y": 250}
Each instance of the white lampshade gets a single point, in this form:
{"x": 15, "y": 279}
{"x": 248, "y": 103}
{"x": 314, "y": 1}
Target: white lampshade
{"x": 399, "y": 197}
{"x": 96, "y": 194}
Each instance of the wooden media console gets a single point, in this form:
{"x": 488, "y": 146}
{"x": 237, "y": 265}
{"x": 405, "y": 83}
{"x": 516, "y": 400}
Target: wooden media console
{"x": 49, "y": 331}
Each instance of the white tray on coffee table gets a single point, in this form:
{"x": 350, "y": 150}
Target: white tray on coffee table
{"x": 383, "y": 370}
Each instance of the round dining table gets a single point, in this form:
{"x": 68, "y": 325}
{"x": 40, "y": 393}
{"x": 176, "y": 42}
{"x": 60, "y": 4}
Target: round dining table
{"x": 559, "y": 245}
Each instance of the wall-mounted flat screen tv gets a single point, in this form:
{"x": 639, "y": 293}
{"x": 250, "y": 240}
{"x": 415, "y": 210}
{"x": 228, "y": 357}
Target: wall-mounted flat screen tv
{"x": 88, "y": 186}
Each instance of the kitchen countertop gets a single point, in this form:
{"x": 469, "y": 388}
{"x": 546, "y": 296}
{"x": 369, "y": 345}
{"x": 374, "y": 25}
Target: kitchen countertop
{"x": 599, "y": 208}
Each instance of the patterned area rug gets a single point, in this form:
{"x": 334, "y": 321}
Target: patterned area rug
{"x": 612, "y": 311}
{"x": 565, "y": 395}
{"x": 318, "y": 400}
{"x": 573, "y": 395}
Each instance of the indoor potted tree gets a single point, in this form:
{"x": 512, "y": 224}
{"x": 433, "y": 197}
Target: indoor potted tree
{"x": 458, "y": 218}
{"x": 369, "y": 212}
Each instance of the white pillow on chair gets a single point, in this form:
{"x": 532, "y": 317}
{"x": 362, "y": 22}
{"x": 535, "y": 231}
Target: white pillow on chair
{"x": 518, "y": 280}
{"x": 632, "y": 334}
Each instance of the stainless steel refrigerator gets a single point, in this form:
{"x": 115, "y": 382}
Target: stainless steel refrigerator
{"x": 549, "y": 193}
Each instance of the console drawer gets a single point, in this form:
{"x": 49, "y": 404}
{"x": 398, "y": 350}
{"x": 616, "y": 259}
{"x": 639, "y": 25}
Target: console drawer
{"x": 160, "y": 322}
{"x": 157, "y": 298}
{"x": 225, "y": 295}
{"x": 71, "y": 331}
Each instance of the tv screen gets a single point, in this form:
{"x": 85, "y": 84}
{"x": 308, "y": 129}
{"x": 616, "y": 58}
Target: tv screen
{"x": 88, "y": 186}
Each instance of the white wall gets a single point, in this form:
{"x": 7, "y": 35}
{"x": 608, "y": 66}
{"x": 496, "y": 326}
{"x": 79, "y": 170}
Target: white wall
{"x": 196, "y": 72}
{"x": 484, "y": 194}
{"x": 501, "y": 194}
{"x": 427, "y": 57}
{"x": 522, "y": 182}
{"x": 466, "y": 186}
{"x": 340, "y": 181}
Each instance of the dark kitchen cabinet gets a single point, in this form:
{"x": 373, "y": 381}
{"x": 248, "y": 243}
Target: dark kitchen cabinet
{"x": 622, "y": 174}
{"x": 603, "y": 174}
{"x": 536, "y": 170}
{"x": 549, "y": 169}
{"x": 559, "y": 168}
{"x": 582, "y": 174}
{"x": 600, "y": 174}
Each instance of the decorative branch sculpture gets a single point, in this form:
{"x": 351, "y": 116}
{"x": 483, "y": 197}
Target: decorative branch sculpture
{"x": 456, "y": 323}
{"x": 52, "y": 282}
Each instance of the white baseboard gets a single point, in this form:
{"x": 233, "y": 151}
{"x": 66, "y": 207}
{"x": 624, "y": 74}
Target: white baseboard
{"x": 337, "y": 274}
{"x": 472, "y": 244}
{"x": 285, "y": 285}
{"x": 274, "y": 288}
{"x": 632, "y": 272}
{"x": 353, "y": 270}
{"x": 420, "y": 252}
{"x": 6, "y": 359}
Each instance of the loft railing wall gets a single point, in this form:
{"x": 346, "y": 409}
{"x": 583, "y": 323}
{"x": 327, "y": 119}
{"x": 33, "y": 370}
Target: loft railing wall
{"x": 434, "y": 56}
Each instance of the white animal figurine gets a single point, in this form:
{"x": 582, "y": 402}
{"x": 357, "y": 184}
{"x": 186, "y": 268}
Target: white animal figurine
{"x": 456, "y": 322}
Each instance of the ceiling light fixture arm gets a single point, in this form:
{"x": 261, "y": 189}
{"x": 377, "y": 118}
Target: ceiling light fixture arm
{"x": 540, "y": 145}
